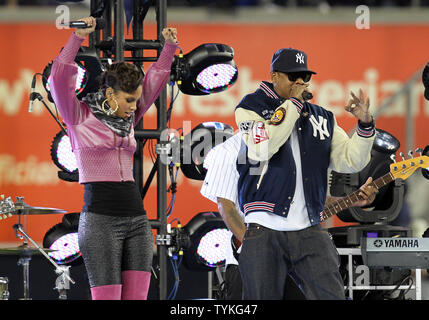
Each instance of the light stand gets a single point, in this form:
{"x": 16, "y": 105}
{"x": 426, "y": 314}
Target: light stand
{"x": 63, "y": 278}
{"x": 113, "y": 47}
{"x": 24, "y": 261}
{"x": 62, "y": 282}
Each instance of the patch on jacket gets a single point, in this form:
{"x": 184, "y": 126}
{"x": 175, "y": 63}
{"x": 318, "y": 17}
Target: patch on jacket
{"x": 245, "y": 126}
{"x": 267, "y": 114}
{"x": 278, "y": 116}
{"x": 259, "y": 133}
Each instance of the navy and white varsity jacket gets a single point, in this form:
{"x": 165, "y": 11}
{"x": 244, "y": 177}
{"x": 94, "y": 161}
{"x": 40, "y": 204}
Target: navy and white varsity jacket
{"x": 266, "y": 164}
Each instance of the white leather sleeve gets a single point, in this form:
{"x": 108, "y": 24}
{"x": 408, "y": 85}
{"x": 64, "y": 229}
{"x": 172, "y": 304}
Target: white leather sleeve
{"x": 277, "y": 134}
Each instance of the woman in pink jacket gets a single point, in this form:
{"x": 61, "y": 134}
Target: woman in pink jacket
{"x": 115, "y": 236}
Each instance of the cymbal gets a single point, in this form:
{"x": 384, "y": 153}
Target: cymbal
{"x": 28, "y": 210}
{"x": 23, "y": 250}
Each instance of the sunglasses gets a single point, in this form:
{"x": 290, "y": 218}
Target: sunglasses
{"x": 293, "y": 76}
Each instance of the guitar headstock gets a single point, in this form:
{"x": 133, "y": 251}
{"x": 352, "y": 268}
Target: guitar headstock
{"x": 406, "y": 168}
{"x": 7, "y": 207}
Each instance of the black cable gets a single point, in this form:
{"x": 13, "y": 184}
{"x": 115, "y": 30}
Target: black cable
{"x": 403, "y": 292}
{"x": 46, "y": 79}
{"x": 151, "y": 150}
{"x": 172, "y": 100}
{"x": 172, "y": 188}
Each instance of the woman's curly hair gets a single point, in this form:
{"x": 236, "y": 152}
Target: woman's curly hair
{"x": 122, "y": 76}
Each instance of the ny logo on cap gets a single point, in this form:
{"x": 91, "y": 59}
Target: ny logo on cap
{"x": 299, "y": 57}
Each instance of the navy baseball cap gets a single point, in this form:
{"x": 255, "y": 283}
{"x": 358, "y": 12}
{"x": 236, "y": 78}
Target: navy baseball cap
{"x": 290, "y": 60}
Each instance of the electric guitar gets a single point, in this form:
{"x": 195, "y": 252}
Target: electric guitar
{"x": 403, "y": 170}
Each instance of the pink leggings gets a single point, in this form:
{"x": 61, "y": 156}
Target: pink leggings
{"x": 117, "y": 251}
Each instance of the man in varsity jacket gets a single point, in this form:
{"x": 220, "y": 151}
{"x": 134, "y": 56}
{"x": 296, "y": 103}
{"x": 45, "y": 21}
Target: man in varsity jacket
{"x": 220, "y": 186}
{"x": 287, "y": 148}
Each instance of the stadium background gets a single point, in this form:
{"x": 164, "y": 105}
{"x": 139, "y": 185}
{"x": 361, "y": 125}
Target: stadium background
{"x": 380, "y": 60}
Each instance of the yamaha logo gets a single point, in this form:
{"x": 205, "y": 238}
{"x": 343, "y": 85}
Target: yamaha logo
{"x": 378, "y": 243}
{"x": 396, "y": 243}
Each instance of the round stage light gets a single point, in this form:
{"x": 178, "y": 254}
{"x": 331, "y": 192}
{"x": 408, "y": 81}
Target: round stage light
{"x": 208, "y": 68}
{"x": 218, "y": 77}
{"x": 64, "y": 241}
{"x": 62, "y": 153}
{"x": 196, "y": 145}
{"x": 213, "y": 246}
{"x": 67, "y": 248}
{"x": 81, "y": 78}
{"x": 385, "y": 142}
{"x": 207, "y": 241}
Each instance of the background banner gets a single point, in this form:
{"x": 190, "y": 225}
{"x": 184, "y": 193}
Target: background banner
{"x": 379, "y": 60}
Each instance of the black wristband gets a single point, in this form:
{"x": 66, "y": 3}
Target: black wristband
{"x": 366, "y": 125}
{"x": 366, "y": 129}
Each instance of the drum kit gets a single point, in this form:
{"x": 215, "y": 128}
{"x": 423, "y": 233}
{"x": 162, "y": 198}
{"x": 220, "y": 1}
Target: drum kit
{"x": 21, "y": 209}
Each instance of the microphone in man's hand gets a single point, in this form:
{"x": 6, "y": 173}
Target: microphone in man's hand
{"x": 307, "y": 95}
{"x": 99, "y": 24}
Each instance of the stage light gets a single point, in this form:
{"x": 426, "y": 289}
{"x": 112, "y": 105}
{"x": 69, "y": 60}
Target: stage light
{"x": 63, "y": 157}
{"x": 62, "y": 153}
{"x": 217, "y": 78}
{"x": 63, "y": 238}
{"x": 389, "y": 199}
{"x": 195, "y": 146}
{"x": 87, "y": 79}
{"x": 386, "y": 143}
{"x": 208, "y": 241}
{"x": 425, "y": 172}
{"x": 81, "y": 79}
{"x": 207, "y": 69}
{"x": 212, "y": 247}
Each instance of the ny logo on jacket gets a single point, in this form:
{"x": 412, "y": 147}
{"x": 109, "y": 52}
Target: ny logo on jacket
{"x": 320, "y": 127}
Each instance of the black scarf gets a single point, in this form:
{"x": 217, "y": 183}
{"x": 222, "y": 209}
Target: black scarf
{"x": 119, "y": 125}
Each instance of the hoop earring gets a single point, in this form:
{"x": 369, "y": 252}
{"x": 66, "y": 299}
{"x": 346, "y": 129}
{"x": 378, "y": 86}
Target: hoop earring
{"x": 109, "y": 111}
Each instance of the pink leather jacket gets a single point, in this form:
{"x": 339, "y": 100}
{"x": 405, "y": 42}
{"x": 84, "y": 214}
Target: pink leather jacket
{"x": 101, "y": 154}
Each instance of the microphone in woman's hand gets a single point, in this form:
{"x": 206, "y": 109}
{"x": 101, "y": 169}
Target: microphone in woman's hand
{"x": 99, "y": 24}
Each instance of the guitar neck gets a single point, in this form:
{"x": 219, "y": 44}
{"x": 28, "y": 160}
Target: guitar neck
{"x": 349, "y": 200}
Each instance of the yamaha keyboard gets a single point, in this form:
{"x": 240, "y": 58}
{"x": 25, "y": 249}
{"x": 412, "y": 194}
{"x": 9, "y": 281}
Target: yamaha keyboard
{"x": 397, "y": 252}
